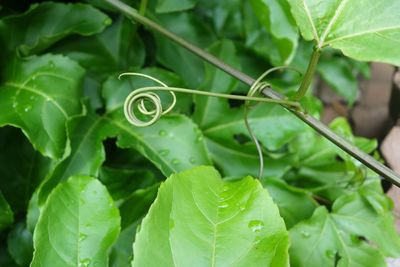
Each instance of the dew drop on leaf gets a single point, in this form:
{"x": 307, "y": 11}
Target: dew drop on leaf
{"x": 199, "y": 138}
{"x": 162, "y": 133}
{"x": 256, "y": 226}
{"x": 82, "y": 237}
{"x": 192, "y": 160}
{"x": 84, "y": 263}
{"x": 330, "y": 253}
{"x": 305, "y": 234}
{"x": 27, "y": 108}
{"x": 107, "y": 21}
{"x": 33, "y": 78}
{"x": 242, "y": 208}
{"x": 223, "y": 206}
{"x": 175, "y": 161}
{"x": 164, "y": 152}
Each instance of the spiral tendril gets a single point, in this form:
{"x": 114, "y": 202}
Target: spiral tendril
{"x": 138, "y": 97}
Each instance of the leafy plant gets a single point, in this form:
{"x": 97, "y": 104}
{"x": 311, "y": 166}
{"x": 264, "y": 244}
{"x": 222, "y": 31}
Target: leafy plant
{"x": 81, "y": 186}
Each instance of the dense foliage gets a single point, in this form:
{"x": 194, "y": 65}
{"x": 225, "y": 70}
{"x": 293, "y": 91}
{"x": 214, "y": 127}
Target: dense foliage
{"x": 76, "y": 179}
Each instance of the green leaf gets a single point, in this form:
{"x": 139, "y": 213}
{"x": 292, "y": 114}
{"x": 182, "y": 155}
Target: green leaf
{"x": 20, "y": 244}
{"x": 115, "y": 49}
{"x": 21, "y": 168}
{"x": 216, "y": 81}
{"x": 294, "y": 204}
{"x": 362, "y": 31}
{"x": 132, "y": 211}
{"x": 77, "y": 226}
{"x": 240, "y": 160}
{"x": 351, "y": 235}
{"x": 44, "y": 24}
{"x": 86, "y": 135}
{"x": 319, "y": 242}
{"x": 273, "y": 125}
{"x": 39, "y": 95}
{"x": 337, "y": 73}
{"x": 276, "y": 18}
{"x": 122, "y": 182}
{"x": 164, "y": 6}
{"x": 6, "y": 214}
{"x": 192, "y": 28}
{"x": 199, "y": 218}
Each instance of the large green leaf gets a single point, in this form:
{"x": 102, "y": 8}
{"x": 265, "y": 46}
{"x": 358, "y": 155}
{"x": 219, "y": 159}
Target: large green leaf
{"x": 6, "y": 214}
{"x": 77, "y": 226}
{"x": 39, "y": 95}
{"x": 44, "y": 24}
{"x": 362, "y": 30}
{"x": 199, "y": 218}
{"x": 276, "y": 18}
{"x": 359, "y": 225}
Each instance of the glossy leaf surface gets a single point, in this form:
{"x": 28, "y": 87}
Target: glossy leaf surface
{"x": 199, "y": 218}
{"x": 346, "y": 235}
{"x": 77, "y": 226}
{"x": 362, "y": 30}
{"x": 44, "y": 24}
{"x": 39, "y": 95}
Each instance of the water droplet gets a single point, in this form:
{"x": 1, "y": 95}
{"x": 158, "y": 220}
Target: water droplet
{"x": 305, "y": 234}
{"x": 257, "y": 240}
{"x": 330, "y": 253}
{"x": 33, "y": 78}
{"x": 176, "y": 161}
{"x": 84, "y": 263}
{"x": 82, "y": 237}
{"x": 199, "y": 138}
{"x": 14, "y": 105}
{"x": 223, "y": 206}
{"x": 225, "y": 188}
{"x": 164, "y": 152}
{"x": 256, "y": 225}
{"x": 51, "y": 64}
{"x": 27, "y": 108}
{"x": 107, "y": 21}
{"x": 192, "y": 160}
{"x": 162, "y": 133}
{"x": 242, "y": 208}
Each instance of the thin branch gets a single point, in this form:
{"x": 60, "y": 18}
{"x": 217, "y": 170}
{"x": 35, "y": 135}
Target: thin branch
{"x": 351, "y": 149}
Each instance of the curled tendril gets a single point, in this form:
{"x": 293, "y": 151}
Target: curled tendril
{"x": 138, "y": 97}
{"x": 256, "y": 88}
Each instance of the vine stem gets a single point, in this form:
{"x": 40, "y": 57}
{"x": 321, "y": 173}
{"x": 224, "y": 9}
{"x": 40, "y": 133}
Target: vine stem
{"x": 312, "y": 66}
{"x": 318, "y": 126}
